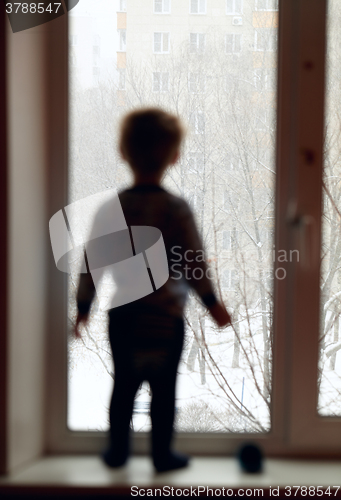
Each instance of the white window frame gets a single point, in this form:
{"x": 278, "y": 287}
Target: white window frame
{"x": 234, "y": 10}
{"x": 162, "y": 33}
{"x": 199, "y": 43}
{"x": 200, "y": 9}
{"x": 234, "y": 38}
{"x": 272, "y": 6}
{"x": 296, "y": 427}
{"x": 161, "y": 81}
{"x": 163, "y": 10}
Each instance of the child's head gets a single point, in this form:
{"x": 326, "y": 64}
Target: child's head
{"x": 150, "y": 140}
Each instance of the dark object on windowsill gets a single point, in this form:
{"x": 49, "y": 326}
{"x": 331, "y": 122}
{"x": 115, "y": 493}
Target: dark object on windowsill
{"x": 250, "y": 458}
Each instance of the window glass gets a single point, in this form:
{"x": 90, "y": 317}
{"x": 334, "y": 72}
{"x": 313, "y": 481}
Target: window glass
{"x": 329, "y": 382}
{"x": 233, "y": 6}
{"x": 225, "y": 172}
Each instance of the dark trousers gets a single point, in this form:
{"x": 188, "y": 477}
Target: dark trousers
{"x": 146, "y": 345}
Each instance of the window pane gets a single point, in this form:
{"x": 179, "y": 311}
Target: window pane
{"x": 158, "y": 5}
{"x": 226, "y": 173}
{"x": 230, "y": 6}
{"x": 157, "y": 42}
{"x": 194, "y": 6}
{"x": 202, "y": 6}
{"x": 165, "y": 45}
{"x": 166, "y": 5}
{"x": 329, "y": 383}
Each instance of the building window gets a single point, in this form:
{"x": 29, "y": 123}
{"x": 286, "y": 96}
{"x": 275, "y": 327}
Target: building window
{"x": 162, "y": 7}
{"x": 233, "y": 7}
{"x": 73, "y": 40}
{"x": 231, "y": 163}
{"x": 197, "y": 43}
{"x": 231, "y": 201}
{"x": 266, "y": 4}
{"x": 229, "y": 279}
{"x": 262, "y": 120}
{"x": 160, "y": 82}
{"x": 195, "y": 162}
{"x": 230, "y": 239}
{"x": 197, "y": 6}
{"x": 197, "y": 121}
{"x": 95, "y": 71}
{"x": 161, "y": 43}
{"x": 196, "y": 83}
{"x": 233, "y": 43}
{"x": 266, "y": 39}
{"x": 123, "y": 40}
{"x": 264, "y": 79}
{"x": 123, "y": 5}
{"x": 73, "y": 60}
{"x": 121, "y": 79}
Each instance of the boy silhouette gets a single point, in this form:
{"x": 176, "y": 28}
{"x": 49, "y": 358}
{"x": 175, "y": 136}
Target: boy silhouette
{"x": 146, "y": 336}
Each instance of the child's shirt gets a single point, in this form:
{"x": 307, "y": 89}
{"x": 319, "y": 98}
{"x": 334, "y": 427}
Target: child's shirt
{"x": 151, "y": 205}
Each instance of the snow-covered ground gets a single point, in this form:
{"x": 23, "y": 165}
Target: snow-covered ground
{"x": 225, "y": 390}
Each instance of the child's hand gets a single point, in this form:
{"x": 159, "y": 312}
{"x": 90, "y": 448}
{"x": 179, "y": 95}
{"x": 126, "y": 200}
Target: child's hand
{"x": 81, "y": 318}
{"x": 220, "y": 315}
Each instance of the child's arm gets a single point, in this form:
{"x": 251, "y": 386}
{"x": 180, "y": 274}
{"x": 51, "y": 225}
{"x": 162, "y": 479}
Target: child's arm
{"x": 192, "y": 245}
{"x": 219, "y": 314}
{"x": 85, "y": 295}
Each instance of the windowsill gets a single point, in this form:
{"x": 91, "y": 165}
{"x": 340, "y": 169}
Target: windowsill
{"x": 75, "y": 473}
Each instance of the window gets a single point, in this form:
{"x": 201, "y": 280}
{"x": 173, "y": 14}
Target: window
{"x": 95, "y": 71}
{"x": 231, "y": 201}
{"x": 233, "y": 7}
{"x": 196, "y": 83}
{"x": 294, "y": 383}
{"x": 73, "y": 40}
{"x": 123, "y": 5}
{"x": 162, "y": 6}
{"x": 264, "y": 79}
{"x": 196, "y": 43}
{"x": 198, "y": 6}
{"x": 161, "y": 43}
{"x": 229, "y": 279}
{"x": 262, "y": 121}
{"x": 231, "y": 163}
{"x": 230, "y": 239}
{"x": 196, "y": 162}
{"x": 160, "y": 82}
{"x": 266, "y": 39}
{"x": 197, "y": 121}
{"x": 123, "y": 40}
{"x": 266, "y": 4}
{"x": 233, "y": 43}
{"x": 121, "y": 79}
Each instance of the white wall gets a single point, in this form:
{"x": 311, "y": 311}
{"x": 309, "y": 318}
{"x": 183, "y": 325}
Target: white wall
{"x": 28, "y": 236}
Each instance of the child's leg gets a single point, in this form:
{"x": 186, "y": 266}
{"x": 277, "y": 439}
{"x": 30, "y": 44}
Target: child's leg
{"x": 163, "y": 409}
{"x": 121, "y": 409}
{"x": 126, "y": 383}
